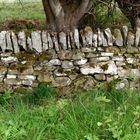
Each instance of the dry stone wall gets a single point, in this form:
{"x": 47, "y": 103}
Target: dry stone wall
{"x": 79, "y": 60}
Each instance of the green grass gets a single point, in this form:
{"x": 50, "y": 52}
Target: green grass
{"x": 98, "y": 114}
{"x": 28, "y": 10}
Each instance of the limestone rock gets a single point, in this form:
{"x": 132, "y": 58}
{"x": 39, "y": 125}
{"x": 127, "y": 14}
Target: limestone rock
{"x": 63, "y": 40}
{"x": 29, "y": 43}
{"x": 77, "y": 55}
{"x": 102, "y": 67}
{"x": 125, "y": 33}
{"x": 67, "y": 65}
{"x": 50, "y": 42}
{"x": 100, "y": 77}
{"x": 105, "y": 44}
{"x": 80, "y": 62}
{"x": 1, "y": 79}
{"x": 137, "y": 37}
{"x": 123, "y": 73}
{"x": 3, "y": 40}
{"x": 3, "y": 69}
{"x": 88, "y": 33}
{"x": 76, "y": 38}
{"x": 55, "y": 41}
{"x": 22, "y": 40}
{"x": 118, "y": 38}
{"x": 95, "y": 40}
{"x": 61, "y": 82}
{"x": 132, "y": 50}
{"x": 27, "y": 77}
{"x": 122, "y": 84}
{"x": 36, "y": 40}
{"x": 65, "y": 55}
{"x": 107, "y": 54}
{"x": 55, "y": 62}
{"x": 84, "y": 83}
{"x": 100, "y": 41}
{"x": 109, "y": 37}
{"x": 130, "y": 39}
{"x": 45, "y": 40}
{"x": 88, "y": 50}
{"x": 11, "y": 76}
{"x": 15, "y": 43}
{"x": 9, "y": 41}
{"x": 45, "y": 77}
{"x": 9, "y": 59}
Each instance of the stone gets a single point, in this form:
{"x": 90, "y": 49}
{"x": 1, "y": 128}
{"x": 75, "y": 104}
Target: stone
{"x": 104, "y": 40}
{"x": 77, "y": 55}
{"x": 123, "y": 73}
{"x": 55, "y": 41}
{"x": 3, "y": 40}
{"x": 3, "y": 69}
{"x": 11, "y": 76}
{"x": 103, "y": 58}
{"x": 15, "y": 43}
{"x": 88, "y": 33}
{"x": 137, "y": 37}
{"x": 118, "y": 38}
{"x": 119, "y": 63}
{"x": 132, "y": 50}
{"x": 122, "y": 84}
{"x": 67, "y": 65}
{"x": 95, "y": 40}
{"x": 100, "y": 77}
{"x": 125, "y": 34}
{"x": 2, "y": 78}
{"x": 61, "y": 82}
{"x": 113, "y": 49}
{"x": 50, "y": 41}
{"x": 71, "y": 35}
{"x": 109, "y": 36}
{"x": 45, "y": 41}
{"x": 92, "y": 55}
{"x": 88, "y": 50}
{"x": 27, "y": 77}
{"x": 84, "y": 83}
{"x": 36, "y": 40}
{"x": 107, "y": 54}
{"x": 9, "y": 41}
{"x": 130, "y": 39}
{"x": 45, "y": 77}
{"x": 76, "y": 38}
{"x": 135, "y": 73}
{"x": 22, "y": 40}
{"x": 29, "y": 43}
{"x": 65, "y": 55}
{"x": 80, "y": 62}
{"x": 26, "y": 82}
{"x": 69, "y": 42}
{"x": 102, "y": 67}
{"x": 100, "y": 41}
{"x": 59, "y": 73}
{"x": 63, "y": 40}
{"x": 118, "y": 58}
{"x": 12, "y": 82}
{"x": 131, "y": 60}
{"x": 9, "y": 59}
{"x": 54, "y": 62}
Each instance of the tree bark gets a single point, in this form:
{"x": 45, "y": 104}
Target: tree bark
{"x": 64, "y": 15}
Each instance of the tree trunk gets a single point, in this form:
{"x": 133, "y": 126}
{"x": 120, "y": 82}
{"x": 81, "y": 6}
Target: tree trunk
{"x": 64, "y": 15}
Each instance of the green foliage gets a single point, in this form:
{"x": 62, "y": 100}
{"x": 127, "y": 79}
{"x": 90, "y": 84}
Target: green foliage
{"x": 98, "y": 114}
